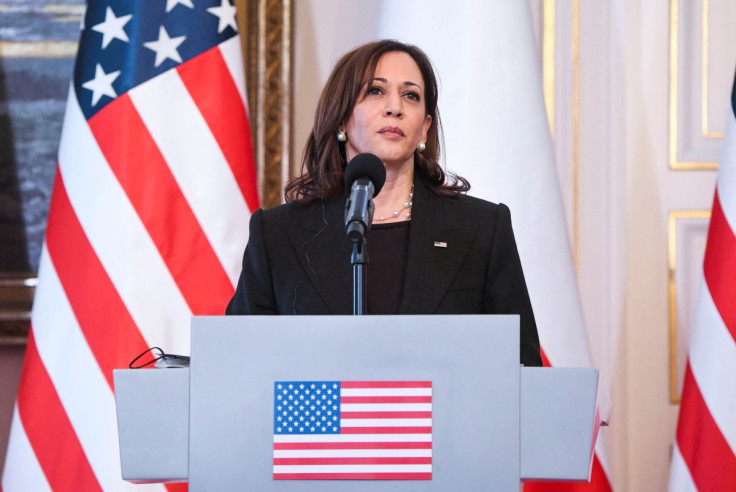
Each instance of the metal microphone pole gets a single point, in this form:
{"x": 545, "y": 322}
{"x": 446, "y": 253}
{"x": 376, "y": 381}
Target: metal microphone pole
{"x": 359, "y": 259}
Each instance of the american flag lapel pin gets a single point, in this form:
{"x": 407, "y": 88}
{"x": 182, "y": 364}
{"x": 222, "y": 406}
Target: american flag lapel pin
{"x": 440, "y": 244}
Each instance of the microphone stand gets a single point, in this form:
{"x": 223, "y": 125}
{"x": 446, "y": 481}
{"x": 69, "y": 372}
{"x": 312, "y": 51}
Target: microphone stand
{"x": 359, "y": 258}
{"x": 358, "y": 218}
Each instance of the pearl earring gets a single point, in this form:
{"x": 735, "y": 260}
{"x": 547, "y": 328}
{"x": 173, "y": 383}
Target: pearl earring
{"x": 421, "y": 147}
{"x": 342, "y": 136}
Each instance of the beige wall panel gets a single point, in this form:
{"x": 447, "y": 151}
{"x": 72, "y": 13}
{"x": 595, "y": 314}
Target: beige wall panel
{"x": 703, "y": 51}
{"x": 719, "y": 19}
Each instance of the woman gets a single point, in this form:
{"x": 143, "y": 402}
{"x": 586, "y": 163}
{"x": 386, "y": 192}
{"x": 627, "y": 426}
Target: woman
{"x": 432, "y": 249}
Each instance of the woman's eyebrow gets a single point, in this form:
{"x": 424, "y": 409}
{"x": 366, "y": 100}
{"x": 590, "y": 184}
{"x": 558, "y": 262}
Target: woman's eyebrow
{"x": 405, "y": 84}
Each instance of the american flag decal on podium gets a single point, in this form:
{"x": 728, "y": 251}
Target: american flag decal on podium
{"x": 352, "y": 430}
{"x": 146, "y": 227}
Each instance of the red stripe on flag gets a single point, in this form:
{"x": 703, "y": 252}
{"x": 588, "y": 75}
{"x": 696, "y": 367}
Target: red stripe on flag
{"x": 213, "y": 89}
{"x": 352, "y": 476}
{"x": 173, "y": 487}
{"x": 353, "y": 461}
{"x": 152, "y": 189}
{"x": 708, "y": 456}
{"x": 598, "y": 483}
{"x": 106, "y": 324}
{"x": 545, "y": 360}
{"x": 386, "y": 399}
{"x": 719, "y": 266}
{"x": 385, "y": 430}
{"x": 386, "y": 415}
{"x": 49, "y": 430}
{"x": 386, "y": 384}
{"x": 352, "y": 445}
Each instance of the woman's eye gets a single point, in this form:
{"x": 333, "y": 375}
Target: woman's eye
{"x": 374, "y": 91}
{"x": 413, "y": 96}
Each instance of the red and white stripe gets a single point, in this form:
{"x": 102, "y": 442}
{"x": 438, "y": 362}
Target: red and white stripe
{"x": 147, "y": 224}
{"x": 386, "y": 434}
{"x": 704, "y": 456}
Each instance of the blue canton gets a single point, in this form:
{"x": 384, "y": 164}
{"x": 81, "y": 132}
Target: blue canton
{"x": 127, "y": 42}
{"x": 306, "y": 407}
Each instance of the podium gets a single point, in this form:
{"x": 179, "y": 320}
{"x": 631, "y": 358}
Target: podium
{"x": 493, "y": 423}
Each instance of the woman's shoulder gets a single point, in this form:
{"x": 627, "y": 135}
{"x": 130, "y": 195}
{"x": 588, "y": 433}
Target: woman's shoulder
{"x": 471, "y": 206}
{"x": 297, "y": 213}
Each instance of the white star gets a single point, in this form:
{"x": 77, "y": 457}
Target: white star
{"x": 101, "y": 85}
{"x": 170, "y": 4}
{"x": 112, "y": 28}
{"x": 226, "y": 15}
{"x": 165, "y": 47}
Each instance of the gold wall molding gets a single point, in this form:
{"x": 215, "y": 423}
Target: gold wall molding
{"x": 673, "y": 222}
{"x": 704, "y": 75}
{"x": 674, "y": 72}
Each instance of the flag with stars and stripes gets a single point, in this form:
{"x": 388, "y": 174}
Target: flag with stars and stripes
{"x": 704, "y": 452}
{"x": 146, "y": 227}
{"x": 352, "y": 430}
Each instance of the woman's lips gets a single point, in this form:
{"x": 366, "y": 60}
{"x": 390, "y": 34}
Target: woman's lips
{"x": 391, "y": 131}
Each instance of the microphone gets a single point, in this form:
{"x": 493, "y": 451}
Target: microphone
{"x": 364, "y": 176}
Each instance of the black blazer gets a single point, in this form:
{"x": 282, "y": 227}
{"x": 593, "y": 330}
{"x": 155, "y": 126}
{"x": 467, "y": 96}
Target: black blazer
{"x": 297, "y": 261}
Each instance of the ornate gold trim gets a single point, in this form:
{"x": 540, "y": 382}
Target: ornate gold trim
{"x": 674, "y": 71}
{"x": 704, "y": 76}
{"x": 274, "y": 37}
{"x": 674, "y": 216}
{"x": 267, "y": 51}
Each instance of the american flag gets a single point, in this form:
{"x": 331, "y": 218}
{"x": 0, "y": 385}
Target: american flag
{"x": 352, "y": 430}
{"x": 146, "y": 227}
{"x": 704, "y": 454}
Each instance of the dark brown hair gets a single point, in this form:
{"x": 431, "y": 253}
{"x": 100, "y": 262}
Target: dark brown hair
{"x": 324, "y": 161}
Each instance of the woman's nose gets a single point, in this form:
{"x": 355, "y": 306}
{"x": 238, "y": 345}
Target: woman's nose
{"x": 393, "y": 105}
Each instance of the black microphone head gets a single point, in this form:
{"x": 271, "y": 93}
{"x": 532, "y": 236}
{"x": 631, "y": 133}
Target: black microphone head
{"x": 366, "y": 166}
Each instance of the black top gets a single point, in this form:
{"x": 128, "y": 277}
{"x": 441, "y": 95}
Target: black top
{"x": 388, "y": 245}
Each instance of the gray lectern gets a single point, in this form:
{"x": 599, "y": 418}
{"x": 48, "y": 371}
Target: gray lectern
{"x": 482, "y": 424}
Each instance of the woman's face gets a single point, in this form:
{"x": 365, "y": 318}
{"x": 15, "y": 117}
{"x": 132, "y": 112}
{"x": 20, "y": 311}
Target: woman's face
{"x": 390, "y": 119}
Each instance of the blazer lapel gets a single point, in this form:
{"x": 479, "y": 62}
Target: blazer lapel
{"x": 438, "y": 242}
{"x": 324, "y": 252}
